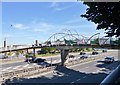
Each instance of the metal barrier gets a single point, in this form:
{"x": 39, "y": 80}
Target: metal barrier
{"x": 112, "y": 77}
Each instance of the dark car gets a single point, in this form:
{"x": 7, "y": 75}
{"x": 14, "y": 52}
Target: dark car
{"x": 82, "y": 53}
{"x": 104, "y": 51}
{"x": 44, "y": 64}
{"x": 94, "y": 53}
{"x": 37, "y": 60}
{"x": 83, "y": 57}
{"x": 71, "y": 56}
{"x": 29, "y": 60}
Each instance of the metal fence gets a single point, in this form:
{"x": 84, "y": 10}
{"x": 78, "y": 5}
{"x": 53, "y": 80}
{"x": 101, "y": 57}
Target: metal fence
{"x": 112, "y": 78}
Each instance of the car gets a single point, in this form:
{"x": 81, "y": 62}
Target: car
{"x": 94, "y": 53}
{"x": 104, "y": 51}
{"x": 37, "y": 60}
{"x": 109, "y": 59}
{"x": 29, "y": 60}
{"x": 83, "y": 57}
{"x": 71, "y": 56}
{"x": 82, "y": 53}
{"x": 44, "y": 64}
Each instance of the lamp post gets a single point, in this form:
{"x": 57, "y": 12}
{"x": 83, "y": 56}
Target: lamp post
{"x": 10, "y": 39}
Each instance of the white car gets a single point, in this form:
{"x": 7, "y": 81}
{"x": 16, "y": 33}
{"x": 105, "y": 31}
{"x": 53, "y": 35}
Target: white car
{"x": 109, "y": 59}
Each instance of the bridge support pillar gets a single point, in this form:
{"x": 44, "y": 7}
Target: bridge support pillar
{"x": 64, "y": 54}
{"x": 27, "y": 51}
{"x": 34, "y": 52}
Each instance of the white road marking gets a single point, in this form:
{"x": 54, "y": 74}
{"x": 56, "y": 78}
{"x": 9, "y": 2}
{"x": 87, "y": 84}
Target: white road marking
{"x": 82, "y": 63}
{"x": 26, "y": 65}
{"x": 29, "y": 67}
{"x": 6, "y": 69}
{"x": 10, "y": 70}
{"x": 17, "y": 67}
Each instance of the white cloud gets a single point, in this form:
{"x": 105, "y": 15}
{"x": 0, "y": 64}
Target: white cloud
{"x": 41, "y": 27}
{"x": 20, "y": 26}
{"x": 54, "y": 4}
{"x": 58, "y": 6}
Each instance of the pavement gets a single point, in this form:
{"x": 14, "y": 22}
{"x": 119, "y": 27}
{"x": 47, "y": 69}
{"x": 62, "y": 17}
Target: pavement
{"x": 88, "y": 72}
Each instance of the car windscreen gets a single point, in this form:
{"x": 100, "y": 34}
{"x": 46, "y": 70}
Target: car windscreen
{"x": 107, "y": 58}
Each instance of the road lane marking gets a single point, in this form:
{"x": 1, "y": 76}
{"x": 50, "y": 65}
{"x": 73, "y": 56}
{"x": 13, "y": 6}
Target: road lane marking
{"x": 10, "y": 70}
{"x": 6, "y": 69}
{"x": 30, "y": 67}
{"x": 17, "y": 67}
{"x": 84, "y": 63}
{"x": 26, "y": 65}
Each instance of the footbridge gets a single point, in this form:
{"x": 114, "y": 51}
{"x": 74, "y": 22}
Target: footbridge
{"x": 68, "y": 40}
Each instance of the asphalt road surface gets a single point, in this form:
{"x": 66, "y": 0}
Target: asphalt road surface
{"x": 21, "y": 65}
{"x": 89, "y": 72}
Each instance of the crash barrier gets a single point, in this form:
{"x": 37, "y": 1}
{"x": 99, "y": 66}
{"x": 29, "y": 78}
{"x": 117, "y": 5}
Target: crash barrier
{"x": 112, "y": 78}
{"x": 4, "y": 61}
{"x": 25, "y": 73}
{"x": 78, "y": 61}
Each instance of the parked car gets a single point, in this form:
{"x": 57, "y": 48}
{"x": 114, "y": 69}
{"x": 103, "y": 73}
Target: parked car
{"x": 83, "y": 57}
{"x": 37, "y": 60}
{"x": 109, "y": 59}
{"x": 82, "y": 53}
{"x": 94, "y": 53}
{"x": 71, "y": 56}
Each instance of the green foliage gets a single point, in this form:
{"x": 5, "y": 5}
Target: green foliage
{"x": 47, "y": 50}
{"x": 106, "y": 15}
{"x": 9, "y": 53}
{"x": 17, "y": 53}
{"x": 88, "y": 49}
{"x": 21, "y": 51}
{"x": 29, "y": 55}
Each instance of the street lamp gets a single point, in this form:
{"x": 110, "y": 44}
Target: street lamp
{"x": 10, "y": 39}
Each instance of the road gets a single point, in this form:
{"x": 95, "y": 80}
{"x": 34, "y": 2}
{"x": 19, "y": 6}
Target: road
{"x": 21, "y": 65}
{"x": 10, "y": 66}
{"x": 89, "y": 72}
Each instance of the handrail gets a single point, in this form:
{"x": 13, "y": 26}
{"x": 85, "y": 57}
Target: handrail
{"x": 112, "y": 77}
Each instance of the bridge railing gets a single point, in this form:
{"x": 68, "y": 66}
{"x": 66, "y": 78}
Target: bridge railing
{"x": 112, "y": 77}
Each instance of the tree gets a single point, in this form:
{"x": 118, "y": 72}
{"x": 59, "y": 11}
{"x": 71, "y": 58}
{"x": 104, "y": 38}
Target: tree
{"x": 106, "y": 15}
{"x": 17, "y": 53}
{"x": 9, "y": 53}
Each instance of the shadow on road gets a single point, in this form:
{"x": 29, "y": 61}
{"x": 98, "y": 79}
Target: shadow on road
{"x": 65, "y": 75}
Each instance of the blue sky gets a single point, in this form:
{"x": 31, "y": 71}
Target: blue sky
{"x": 39, "y": 20}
